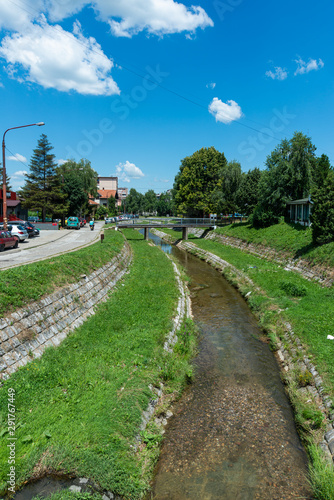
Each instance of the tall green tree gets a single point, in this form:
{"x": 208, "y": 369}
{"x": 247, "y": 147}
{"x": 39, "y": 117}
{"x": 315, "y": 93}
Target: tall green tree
{"x": 288, "y": 176}
{"x": 321, "y": 170}
{"x": 196, "y": 181}
{"x": 322, "y": 214}
{"x": 42, "y": 190}
{"x": 248, "y": 191}
{"x": 134, "y": 202}
{"x": 150, "y": 201}
{"x": 79, "y": 182}
{"x": 225, "y": 195}
{"x": 164, "y": 204}
{"x": 112, "y": 210}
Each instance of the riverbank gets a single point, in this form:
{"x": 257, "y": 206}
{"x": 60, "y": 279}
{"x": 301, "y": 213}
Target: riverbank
{"x": 82, "y": 409}
{"x": 296, "y": 314}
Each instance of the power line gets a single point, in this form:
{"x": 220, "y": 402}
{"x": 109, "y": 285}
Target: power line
{"x": 33, "y": 11}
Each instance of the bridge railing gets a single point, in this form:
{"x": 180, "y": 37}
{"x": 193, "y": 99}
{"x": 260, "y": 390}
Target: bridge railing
{"x": 178, "y": 221}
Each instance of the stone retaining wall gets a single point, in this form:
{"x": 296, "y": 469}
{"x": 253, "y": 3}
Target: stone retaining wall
{"x": 26, "y": 333}
{"x": 323, "y": 276}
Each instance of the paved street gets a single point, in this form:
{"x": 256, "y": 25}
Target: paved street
{"x": 48, "y": 244}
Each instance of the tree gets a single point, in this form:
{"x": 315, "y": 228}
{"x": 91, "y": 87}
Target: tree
{"x": 78, "y": 181}
{"x": 112, "y": 210}
{"x": 150, "y": 201}
{"x": 248, "y": 191}
{"x": 164, "y": 204}
{"x": 134, "y": 202}
{"x": 288, "y": 176}
{"x": 322, "y": 215}
{"x": 321, "y": 170}
{"x": 42, "y": 190}
{"x": 101, "y": 211}
{"x": 225, "y": 195}
{"x": 196, "y": 180}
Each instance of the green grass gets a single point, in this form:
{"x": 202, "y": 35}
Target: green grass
{"x": 78, "y": 407}
{"x": 293, "y": 239}
{"x": 22, "y": 285}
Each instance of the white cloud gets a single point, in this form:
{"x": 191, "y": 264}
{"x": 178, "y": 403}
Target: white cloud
{"x": 225, "y": 112}
{"x": 129, "y": 17}
{"x": 127, "y": 171}
{"x": 278, "y": 74}
{"x": 17, "y": 157}
{"x": 19, "y": 173}
{"x": 210, "y": 85}
{"x": 125, "y": 17}
{"x": 54, "y": 58}
{"x": 17, "y": 180}
{"x": 306, "y": 67}
{"x": 61, "y": 161}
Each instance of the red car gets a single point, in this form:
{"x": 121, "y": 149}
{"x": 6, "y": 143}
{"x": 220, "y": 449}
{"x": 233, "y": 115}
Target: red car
{"x": 8, "y": 241}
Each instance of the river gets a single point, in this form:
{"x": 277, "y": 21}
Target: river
{"x": 232, "y": 435}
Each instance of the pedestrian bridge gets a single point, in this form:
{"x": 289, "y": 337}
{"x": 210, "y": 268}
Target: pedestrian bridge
{"x": 172, "y": 223}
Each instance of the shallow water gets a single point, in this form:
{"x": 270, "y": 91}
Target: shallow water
{"x": 232, "y": 435}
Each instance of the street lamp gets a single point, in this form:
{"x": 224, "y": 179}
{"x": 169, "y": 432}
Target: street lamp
{"x": 4, "y": 188}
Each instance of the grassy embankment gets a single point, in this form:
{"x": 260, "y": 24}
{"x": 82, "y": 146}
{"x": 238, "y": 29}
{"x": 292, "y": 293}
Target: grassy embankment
{"x": 285, "y": 296}
{"x": 79, "y": 407}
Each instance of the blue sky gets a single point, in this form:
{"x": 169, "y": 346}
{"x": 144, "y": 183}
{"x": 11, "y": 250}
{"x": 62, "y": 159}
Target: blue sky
{"x": 134, "y": 86}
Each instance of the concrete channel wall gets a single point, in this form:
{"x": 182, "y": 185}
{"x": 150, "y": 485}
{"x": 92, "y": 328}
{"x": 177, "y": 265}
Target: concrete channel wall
{"x": 27, "y": 332}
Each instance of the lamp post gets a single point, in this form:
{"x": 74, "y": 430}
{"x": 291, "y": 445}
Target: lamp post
{"x": 4, "y": 188}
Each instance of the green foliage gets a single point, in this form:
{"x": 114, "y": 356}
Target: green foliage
{"x": 134, "y": 202}
{"x": 293, "y": 289}
{"x": 224, "y": 196}
{"x": 304, "y": 378}
{"x": 288, "y": 176}
{"x": 263, "y": 217}
{"x": 42, "y": 190}
{"x": 165, "y": 205}
{"x": 322, "y": 215}
{"x": 248, "y": 192}
{"x": 78, "y": 181}
{"x": 321, "y": 474}
{"x": 101, "y": 212}
{"x": 196, "y": 181}
{"x": 150, "y": 202}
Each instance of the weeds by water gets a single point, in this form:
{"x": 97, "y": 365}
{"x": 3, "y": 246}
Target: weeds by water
{"x": 79, "y": 407}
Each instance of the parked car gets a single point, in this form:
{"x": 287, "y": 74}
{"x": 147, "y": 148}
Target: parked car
{"x": 19, "y": 231}
{"x": 36, "y": 230}
{"x": 33, "y": 218}
{"x": 8, "y": 241}
{"x": 109, "y": 220}
{"x": 25, "y": 224}
{"x": 73, "y": 223}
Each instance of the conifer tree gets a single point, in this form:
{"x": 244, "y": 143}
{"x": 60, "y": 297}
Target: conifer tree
{"x": 42, "y": 190}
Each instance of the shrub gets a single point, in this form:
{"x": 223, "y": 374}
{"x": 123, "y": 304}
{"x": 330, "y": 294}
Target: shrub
{"x": 263, "y": 217}
{"x": 292, "y": 289}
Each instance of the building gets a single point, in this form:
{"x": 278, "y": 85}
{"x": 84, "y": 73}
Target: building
{"x": 14, "y": 207}
{"x": 106, "y": 187}
{"x": 122, "y": 194}
{"x": 300, "y": 211}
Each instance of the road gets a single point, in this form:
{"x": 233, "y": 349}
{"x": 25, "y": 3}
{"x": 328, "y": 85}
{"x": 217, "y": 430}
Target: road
{"x": 49, "y": 244}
